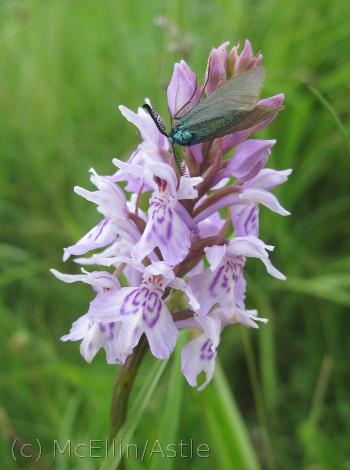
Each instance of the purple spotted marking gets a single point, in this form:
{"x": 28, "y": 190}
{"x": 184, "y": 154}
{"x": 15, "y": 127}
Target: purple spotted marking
{"x": 227, "y": 271}
{"x": 206, "y": 353}
{"x": 127, "y": 298}
{"x": 110, "y": 337}
{"x": 215, "y": 281}
{"x": 250, "y": 223}
{"x": 162, "y": 240}
{"x": 143, "y": 301}
{"x": 153, "y": 311}
{"x": 101, "y": 226}
{"x": 160, "y": 232}
{"x": 169, "y": 230}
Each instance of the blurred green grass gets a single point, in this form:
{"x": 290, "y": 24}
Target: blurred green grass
{"x": 65, "y": 68}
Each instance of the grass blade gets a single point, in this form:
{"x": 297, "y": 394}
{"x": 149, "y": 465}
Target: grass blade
{"x": 235, "y": 449}
{"x": 329, "y": 108}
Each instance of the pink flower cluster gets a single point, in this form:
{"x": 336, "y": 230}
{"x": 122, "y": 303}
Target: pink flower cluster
{"x": 165, "y": 249}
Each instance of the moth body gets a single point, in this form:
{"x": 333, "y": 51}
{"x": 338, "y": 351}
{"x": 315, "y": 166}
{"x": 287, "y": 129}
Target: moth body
{"x": 230, "y": 108}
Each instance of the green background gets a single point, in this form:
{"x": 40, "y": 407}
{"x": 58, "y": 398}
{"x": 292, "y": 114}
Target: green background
{"x": 65, "y": 67}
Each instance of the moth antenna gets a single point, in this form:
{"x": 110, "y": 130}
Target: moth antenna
{"x": 207, "y": 80}
{"x": 158, "y": 121}
{"x": 189, "y": 101}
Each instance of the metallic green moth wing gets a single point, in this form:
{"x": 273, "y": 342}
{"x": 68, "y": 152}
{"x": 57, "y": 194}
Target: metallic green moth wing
{"x": 254, "y": 117}
{"x": 228, "y": 109}
{"x": 219, "y": 127}
{"x": 239, "y": 93}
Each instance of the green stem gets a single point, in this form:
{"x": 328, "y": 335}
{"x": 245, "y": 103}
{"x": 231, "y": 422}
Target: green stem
{"x": 123, "y": 386}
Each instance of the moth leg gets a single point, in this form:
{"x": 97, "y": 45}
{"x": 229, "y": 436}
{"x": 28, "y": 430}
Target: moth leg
{"x": 171, "y": 118}
{"x": 207, "y": 80}
{"x": 189, "y": 101}
{"x": 176, "y": 157}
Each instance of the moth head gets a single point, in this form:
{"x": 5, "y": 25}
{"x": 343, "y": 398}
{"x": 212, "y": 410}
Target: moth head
{"x": 182, "y": 137}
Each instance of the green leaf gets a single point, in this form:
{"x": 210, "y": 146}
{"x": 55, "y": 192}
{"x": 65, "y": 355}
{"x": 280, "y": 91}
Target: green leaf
{"x": 232, "y": 442}
{"x": 170, "y": 421}
{"x": 331, "y": 288}
{"x": 66, "y": 431}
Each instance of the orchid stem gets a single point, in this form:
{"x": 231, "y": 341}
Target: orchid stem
{"x": 123, "y": 386}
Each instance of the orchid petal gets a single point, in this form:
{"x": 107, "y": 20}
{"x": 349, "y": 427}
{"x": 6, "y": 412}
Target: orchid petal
{"x": 197, "y": 356}
{"x": 181, "y": 87}
{"x": 217, "y": 286}
{"x": 245, "y": 58}
{"x": 245, "y": 219}
{"x": 103, "y": 234}
{"x": 96, "y": 336}
{"x": 164, "y": 229}
{"x": 249, "y": 158}
{"x": 143, "y": 121}
{"x": 263, "y": 197}
{"x": 100, "y": 280}
{"x": 212, "y": 327}
{"x": 142, "y": 311}
{"x": 268, "y": 179}
{"x": 217, "y": 70}
{"x": 186, "y": 189}
{"x": 103, "y": 336}
{"x": 272, "y": 270}
{"x": 215, "y": 255}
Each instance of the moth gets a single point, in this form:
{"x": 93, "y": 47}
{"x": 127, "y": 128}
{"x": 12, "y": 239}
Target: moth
{"x": 228, "y": 109}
